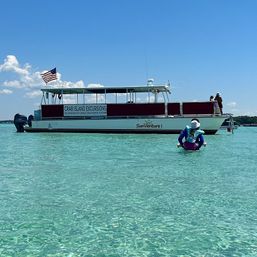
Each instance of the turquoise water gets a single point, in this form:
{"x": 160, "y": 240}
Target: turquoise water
{"x": 127, "y": 195}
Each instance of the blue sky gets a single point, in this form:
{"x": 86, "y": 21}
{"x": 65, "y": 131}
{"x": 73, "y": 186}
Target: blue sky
{"x": 200, "y": 46}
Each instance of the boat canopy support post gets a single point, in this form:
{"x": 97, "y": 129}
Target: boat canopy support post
{"x": 155, "y": 97}
{"x": 165, "y": 104}
{"x": 43, "y": 99}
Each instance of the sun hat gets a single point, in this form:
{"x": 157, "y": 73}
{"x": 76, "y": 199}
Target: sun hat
{"x": 195, "y": 124}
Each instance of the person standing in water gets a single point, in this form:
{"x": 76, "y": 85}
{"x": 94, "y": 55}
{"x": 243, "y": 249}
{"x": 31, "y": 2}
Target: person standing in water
{"x": 193, "y": 136}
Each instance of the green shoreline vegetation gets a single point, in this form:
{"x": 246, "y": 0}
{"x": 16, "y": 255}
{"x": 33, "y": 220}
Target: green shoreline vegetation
{"x": 246, "y": 120}
{"x": 6, "y": 121}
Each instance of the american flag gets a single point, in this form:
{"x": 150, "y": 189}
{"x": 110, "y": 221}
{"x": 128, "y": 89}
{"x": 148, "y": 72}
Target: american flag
{"x": 49, "y": 75}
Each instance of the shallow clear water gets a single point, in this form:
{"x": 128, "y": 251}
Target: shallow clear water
{"x": 127, "y": 195}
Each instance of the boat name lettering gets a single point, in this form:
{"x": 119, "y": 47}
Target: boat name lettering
{"x": 149, "y": 124}
{"x": 85, "y": 110}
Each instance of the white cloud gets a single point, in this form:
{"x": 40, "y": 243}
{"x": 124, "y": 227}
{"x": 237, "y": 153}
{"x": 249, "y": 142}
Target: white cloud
{"x": 235, "y": 111}
{"x": 13, "y": 83}
{"x": 91, "y": 85}
{"x": 11, "y": 64}
{"x": 29, "y": 80}
{"x": 68, "y": 84}
{"x": 68, "y": 100}
{"x": 33, "y": 94}
{"x": 25, "y": 78}
{"x": 232, "y": 104}
{"x": 5, "y": 92}
{"x": 150, "y": 98}
{"x": 92, "y": 97}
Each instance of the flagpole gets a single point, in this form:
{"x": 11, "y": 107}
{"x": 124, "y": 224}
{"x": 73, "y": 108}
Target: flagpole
{"x": 47, "y": 77}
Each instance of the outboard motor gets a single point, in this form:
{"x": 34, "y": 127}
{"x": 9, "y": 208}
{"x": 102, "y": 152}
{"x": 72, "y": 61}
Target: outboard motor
{"x": 20, "y": 121}
{"x": 30, "y": 119}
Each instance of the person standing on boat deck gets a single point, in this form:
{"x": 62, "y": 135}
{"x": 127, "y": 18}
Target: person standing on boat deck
{"x": 193, "y": 136}
{"x": 215, "y": 105}
{"x": 219, "y": 101}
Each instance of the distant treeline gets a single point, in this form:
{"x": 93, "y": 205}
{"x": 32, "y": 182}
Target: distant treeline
{"x": 245, "y": 120}
{"x": 6, "y": 121}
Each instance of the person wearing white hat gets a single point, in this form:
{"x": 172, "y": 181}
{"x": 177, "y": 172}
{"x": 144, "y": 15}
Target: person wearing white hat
{"x": 218, "y": 98}
{"x": 193, "y": 136}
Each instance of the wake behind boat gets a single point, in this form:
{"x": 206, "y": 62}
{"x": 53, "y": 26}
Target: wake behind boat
{"x": 118, "y": 110}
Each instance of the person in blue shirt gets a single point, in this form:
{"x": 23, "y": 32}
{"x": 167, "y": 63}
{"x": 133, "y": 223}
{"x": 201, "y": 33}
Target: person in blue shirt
{"x": 192, "y": 135}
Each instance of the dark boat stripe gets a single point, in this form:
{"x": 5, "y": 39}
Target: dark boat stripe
{"x": 113, "y": 131}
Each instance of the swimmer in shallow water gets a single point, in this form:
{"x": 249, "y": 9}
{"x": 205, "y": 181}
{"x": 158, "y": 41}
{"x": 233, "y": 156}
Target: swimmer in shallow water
{"x": 193, "y": 136}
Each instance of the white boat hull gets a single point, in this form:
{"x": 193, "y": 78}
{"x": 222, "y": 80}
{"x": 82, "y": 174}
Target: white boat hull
{"x": 169, "y": 125}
